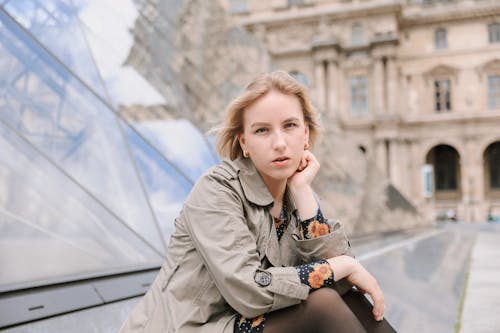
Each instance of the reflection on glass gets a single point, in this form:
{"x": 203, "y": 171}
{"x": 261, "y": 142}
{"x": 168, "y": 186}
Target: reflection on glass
{"x": 166, "y": 187}
{"x": 51, "y": 228}
{"x": 109, "y": 29}
{"x": 67, "y": 123}
{"x": 105, "y": 30}
{"x": 179, "y": 141}
{"x": 54, "y": 25}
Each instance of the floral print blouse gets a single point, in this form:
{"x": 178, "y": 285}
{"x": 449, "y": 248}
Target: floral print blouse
{"x": 316, "y": 275}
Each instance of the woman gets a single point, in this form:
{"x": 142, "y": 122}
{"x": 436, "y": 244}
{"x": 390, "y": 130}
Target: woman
{"x": 252, "y": 251}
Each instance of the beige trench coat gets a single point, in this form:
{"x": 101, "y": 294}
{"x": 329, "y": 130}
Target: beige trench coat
{"x": 224, "y": 257}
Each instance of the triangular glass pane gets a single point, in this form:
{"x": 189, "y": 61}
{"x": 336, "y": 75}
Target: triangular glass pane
{"x": 74, "y": 128}
{"x": 166, "y": 186}
{"x": 54, "y": 25}
{"x": 51, "y": 228}
{"x": 181, "y": 143}
{"x": 113, "y": 31}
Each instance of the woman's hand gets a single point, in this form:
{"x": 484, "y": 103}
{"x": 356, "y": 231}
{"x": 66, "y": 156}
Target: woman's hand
{"x": 349, "y": 268}
{"x": 300, "y": 185}
{"x": 307, "y": 170}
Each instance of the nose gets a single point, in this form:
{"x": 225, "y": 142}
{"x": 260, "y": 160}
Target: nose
{"x": 279, "y": 142}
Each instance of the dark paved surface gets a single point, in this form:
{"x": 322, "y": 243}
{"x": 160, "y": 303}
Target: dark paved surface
{"x": 423, "y": 277}
{"x": 422, "y": 273}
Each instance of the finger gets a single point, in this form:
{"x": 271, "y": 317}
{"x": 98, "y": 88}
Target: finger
{"x": 378, "y": 307}
{"x": 303, "y": 163}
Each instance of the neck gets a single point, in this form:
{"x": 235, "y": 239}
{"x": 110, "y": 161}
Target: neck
{"x": 276, "y": 188}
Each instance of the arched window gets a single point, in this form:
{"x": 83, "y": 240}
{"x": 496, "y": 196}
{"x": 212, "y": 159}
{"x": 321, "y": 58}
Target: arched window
{"x": 492, "y": 166}
{"x": 445, "y": 161}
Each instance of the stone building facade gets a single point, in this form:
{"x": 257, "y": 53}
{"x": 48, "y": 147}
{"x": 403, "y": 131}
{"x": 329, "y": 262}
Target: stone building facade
{"x": 415, "y": 83}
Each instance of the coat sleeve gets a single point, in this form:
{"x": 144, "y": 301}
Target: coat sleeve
{"x": 216, "y": 222}
{"x": 316, "y": 245}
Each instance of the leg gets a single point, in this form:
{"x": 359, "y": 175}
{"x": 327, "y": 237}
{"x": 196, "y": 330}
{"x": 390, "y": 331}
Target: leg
{"x": 324, "y": 311}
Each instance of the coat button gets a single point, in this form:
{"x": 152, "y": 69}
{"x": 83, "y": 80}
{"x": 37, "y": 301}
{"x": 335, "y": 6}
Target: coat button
{"x": 263, "y": 278}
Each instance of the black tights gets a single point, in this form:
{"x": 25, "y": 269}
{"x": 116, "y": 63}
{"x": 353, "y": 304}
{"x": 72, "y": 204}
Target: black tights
{"x": 325, "y": 311}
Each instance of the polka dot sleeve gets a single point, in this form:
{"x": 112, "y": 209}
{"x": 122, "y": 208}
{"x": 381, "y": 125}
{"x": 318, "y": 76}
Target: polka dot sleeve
{"x": 314, "y": 227}
{"x": 316, "y": 275}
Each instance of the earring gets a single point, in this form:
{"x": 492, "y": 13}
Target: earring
{"x": 306, "y": 146}
{"x": 245, "y": 153}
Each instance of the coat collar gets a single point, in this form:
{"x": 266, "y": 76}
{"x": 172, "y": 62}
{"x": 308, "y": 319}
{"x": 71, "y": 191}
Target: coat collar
{"x": 253, "y": 185}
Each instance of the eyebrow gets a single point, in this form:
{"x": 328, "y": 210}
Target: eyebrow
{"x": 258, "y": 124}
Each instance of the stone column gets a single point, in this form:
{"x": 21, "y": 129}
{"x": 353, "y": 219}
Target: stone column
{"x": 333, "y": 89}
{"x": 378, "y": 87}
{"x": 466, "y": 183}
{"x": 381, "y": 156}
{"x": 391, "y": 86}
{"x": 397, "y": 161}
{"x": 320, "y": 84}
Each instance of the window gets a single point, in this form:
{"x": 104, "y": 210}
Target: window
{"x": 357, "y": 37}
{"x": 300, "y": 77}
{"x": 494, "y": 91}
{"x": 359, "y": 95}
{"x": 440, "y": 39}
{"x": 443, "y": 95}
{"x": 494, "y": 165}
{"x": 494, "y": 32}
{"x": 238, "y": 6}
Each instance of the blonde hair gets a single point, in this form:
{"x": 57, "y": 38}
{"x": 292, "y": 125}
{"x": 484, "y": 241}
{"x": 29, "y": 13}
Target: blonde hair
{"x": 227, "y": 139}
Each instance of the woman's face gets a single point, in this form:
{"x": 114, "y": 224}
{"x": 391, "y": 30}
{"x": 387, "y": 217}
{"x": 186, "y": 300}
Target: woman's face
{"x": 274, "y": 134}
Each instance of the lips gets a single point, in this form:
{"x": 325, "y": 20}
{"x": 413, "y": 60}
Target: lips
{"x": 281, "y": 159}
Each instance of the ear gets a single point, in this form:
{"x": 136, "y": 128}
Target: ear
{"x": 241, "y": 139}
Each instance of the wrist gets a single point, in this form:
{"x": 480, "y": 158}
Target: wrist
{"x": 342, "y": 266}
{"x": 300, "y": 189}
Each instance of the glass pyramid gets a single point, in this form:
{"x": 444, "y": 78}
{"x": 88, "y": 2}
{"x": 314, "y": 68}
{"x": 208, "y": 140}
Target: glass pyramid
{"x": 84, "y": 192}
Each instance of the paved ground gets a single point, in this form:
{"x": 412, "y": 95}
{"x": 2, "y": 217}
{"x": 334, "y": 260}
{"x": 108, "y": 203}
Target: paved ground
{"x": 422, "y": 278}
{"x": 482, "y": 300}
{"x": 422, "y": 273}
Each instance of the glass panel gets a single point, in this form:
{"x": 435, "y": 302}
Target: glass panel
{"x": 166, "y": 187}
{"x": 494, "y": 91}
{"x": 442, "y": 95}
{"x": 66, "y": 122}
{"x": 440, "y": 41}
{"x": 359, "y": 95}
{"x": 55, "y": 26}
{"x": 50, "y": 227}
{"x": 494, "y": 32}
{"x": 110, "y": 29}
{"x": 180, "y": 142}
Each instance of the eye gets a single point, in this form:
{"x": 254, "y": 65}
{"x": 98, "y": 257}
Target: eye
{"x": 291, "y": 125}
{"x": 260, "y": 130}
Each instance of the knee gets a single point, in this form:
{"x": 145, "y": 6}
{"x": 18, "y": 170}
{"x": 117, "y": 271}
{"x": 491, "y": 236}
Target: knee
{"x": 323, "y": 300}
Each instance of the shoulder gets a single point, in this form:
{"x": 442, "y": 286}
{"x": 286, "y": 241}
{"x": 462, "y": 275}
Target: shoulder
{"x": 218, "y": 182}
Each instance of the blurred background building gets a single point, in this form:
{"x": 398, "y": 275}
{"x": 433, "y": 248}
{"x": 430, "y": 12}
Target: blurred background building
{"x": 105, "y": 104}
{"x": 415, "y": 83}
